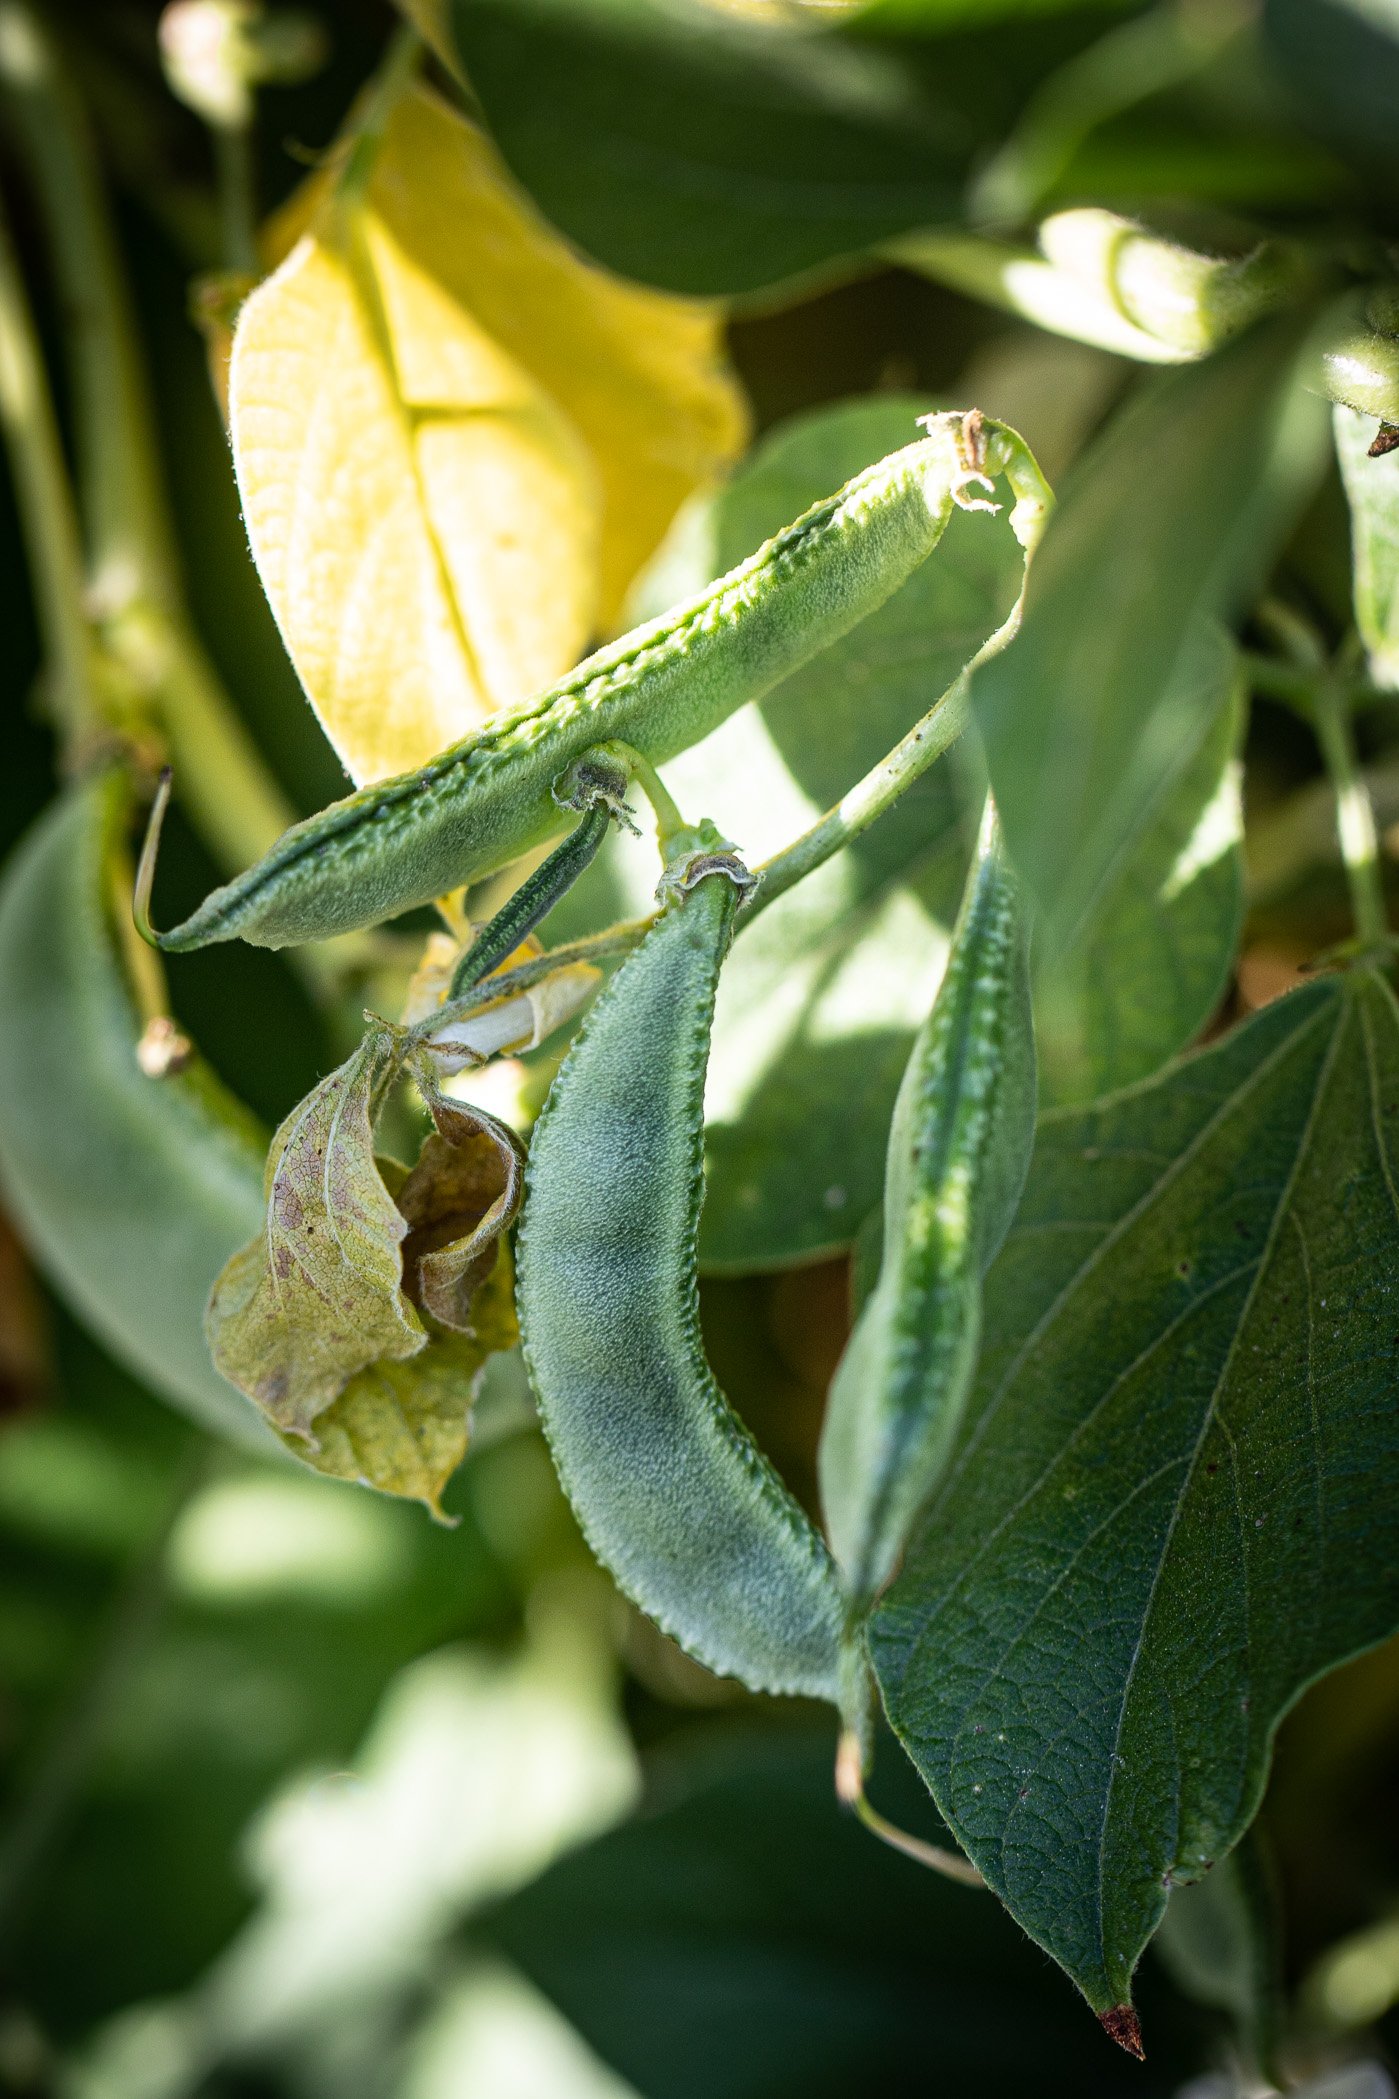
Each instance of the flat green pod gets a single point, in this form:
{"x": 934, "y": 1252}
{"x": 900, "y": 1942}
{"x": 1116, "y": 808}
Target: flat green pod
{"x": 488, "y": 799}
{"x": 671, "y": 1491}
{"x": 132, "y": 1190}
{"x": 959, "y": 1149}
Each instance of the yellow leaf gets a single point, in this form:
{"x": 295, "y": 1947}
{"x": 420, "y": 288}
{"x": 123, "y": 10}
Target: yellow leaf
{"x": 533, "y": 389}
{"x": 429, "y": 554}
{"x": 640, "y": 373}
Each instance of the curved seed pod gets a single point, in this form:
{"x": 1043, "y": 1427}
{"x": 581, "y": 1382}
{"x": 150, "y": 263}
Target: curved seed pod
{"x": 660, "y": 688}
{"x": 671, "y": 1492}
{"x": 133, "y": 1190}
{"x": 959, "y": 1148}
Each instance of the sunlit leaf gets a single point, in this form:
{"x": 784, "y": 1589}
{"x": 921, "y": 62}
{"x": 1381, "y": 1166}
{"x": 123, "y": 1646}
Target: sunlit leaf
{"x": 1166, "y": 523}
{"x": 640, "y": 375}
{"x": 456, "y": 440}
{"x": 318, "y": 1295}
{"x": 1171, "y": 1507}
{"x": 423, "y": 518}
{"x": 1151, "y": 953}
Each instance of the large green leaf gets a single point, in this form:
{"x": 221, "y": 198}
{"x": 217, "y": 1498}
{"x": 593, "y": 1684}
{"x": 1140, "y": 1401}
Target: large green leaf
{"x": 1152, "y": 951}
{"x": 821, "y": 997}
{"x": 1172, "y": 1507}
{"x": 1372, "y": 489}
{"x": 702, "y": 152}
{"x": 1165, "y": 524}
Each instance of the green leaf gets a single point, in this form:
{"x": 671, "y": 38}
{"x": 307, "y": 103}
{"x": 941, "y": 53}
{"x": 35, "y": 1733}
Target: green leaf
{"x": 1151, "y": 954}
{"x": 821, "y": 998}
{"x": 694, "y": 150}
{"x": 1169, "y": 1510}
{"x": 131, "y": 1190}
{"x": 318, "y": 1294}
{"x": 1165, "y": 524}
{"x": 958, "y": 1151}
{"x": 1372, "y": 489}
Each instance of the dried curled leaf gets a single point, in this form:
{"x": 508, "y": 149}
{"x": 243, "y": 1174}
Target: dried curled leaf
{"x": 359, "y": 1318}
{"x": 404, "y": 1427}
{"x": 436, "y": 405}
{"x": 463, "y": 1193}
{"x": 318, "y": 1295}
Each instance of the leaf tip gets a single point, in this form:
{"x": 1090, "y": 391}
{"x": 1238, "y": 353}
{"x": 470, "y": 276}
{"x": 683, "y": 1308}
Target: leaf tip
{"x": 1122, "y": 2025}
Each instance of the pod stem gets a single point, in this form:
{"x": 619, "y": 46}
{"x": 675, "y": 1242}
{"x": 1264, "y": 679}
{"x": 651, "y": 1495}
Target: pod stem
{"x": 850, "y": 1791}
{"x": 670, "y": 824}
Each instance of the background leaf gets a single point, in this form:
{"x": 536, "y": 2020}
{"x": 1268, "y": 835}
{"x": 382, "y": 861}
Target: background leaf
{"x": 1161, "y": 527}
{"x": 819, "y": 1001}
{"x": 1372, "y": 489}
{"x": 691, "y": 149}
{"x": 740, "y": 1938}
{"x": 1167, "y": 1514}
{"x": 1151, "y": 954}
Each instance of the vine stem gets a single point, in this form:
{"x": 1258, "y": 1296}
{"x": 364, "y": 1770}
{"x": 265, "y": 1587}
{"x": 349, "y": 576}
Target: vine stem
{"x": 47, "y": 516}
{"x": 1355, "y": 815}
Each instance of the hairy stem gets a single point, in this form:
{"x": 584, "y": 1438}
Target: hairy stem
{"x": 1355, "y": 816}
{"x": 47, "y": 515}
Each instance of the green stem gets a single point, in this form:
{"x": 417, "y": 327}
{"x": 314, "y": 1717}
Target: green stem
{"x": 1121, "y": 70}
{"x": 133, "y": 584}
{"x": 233, "y": 164}
{"x": 1355, "y": 816}
{"x": 129, "y": 542}
{"x": 47, "y": 515}
{"x": 866, "y": 802}
{"x": 397, "y": 69}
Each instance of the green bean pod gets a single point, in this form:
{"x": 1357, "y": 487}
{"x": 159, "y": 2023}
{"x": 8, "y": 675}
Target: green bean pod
{"x": 671, "y": 1492}
{"x": 132, "y": 1190}
{"x": 959, "y": 1148}
{"x": 488, "y": 799}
